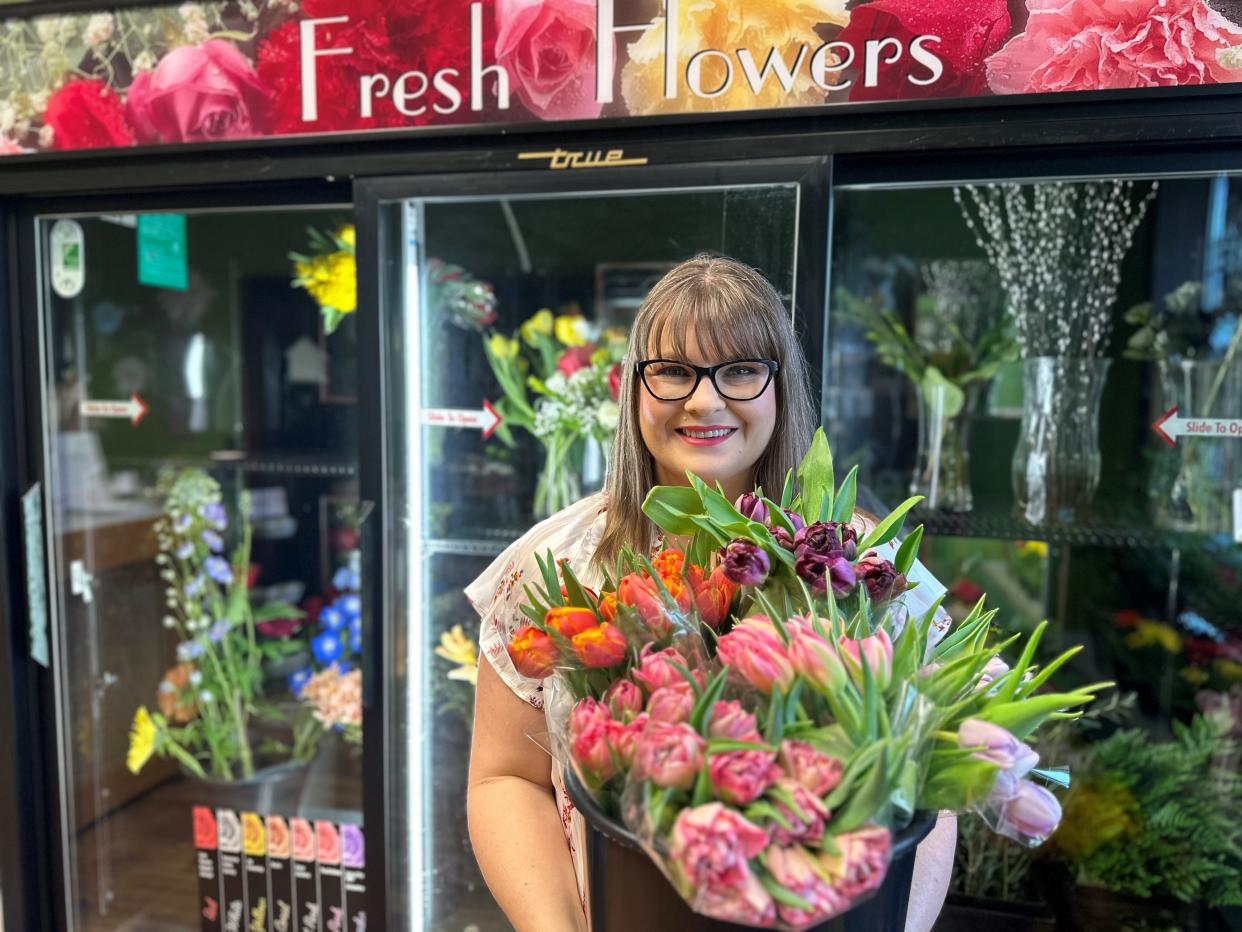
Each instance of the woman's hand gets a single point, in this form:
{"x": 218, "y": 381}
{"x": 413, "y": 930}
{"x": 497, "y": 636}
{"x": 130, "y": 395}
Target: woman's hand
{"x": 515, "y": 825}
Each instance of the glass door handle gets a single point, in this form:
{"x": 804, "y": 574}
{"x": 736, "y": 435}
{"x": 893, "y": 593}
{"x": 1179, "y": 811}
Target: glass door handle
{"x": 81, "y": 581}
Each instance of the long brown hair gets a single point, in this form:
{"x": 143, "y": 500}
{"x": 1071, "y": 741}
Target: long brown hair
{"x": 734, "y": 313}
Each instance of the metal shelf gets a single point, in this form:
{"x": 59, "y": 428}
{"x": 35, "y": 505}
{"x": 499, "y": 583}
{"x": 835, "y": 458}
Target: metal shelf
{"x": 1001, "y": 526}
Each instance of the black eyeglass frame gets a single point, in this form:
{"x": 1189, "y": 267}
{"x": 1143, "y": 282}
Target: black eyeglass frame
{"x": 708, "y": 372}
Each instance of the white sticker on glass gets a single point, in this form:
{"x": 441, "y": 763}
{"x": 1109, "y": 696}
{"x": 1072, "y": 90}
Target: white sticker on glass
{"x": 68, "y": 258}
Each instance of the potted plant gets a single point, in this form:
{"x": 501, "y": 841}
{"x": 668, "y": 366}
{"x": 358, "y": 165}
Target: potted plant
{"x": 212, "y": 716}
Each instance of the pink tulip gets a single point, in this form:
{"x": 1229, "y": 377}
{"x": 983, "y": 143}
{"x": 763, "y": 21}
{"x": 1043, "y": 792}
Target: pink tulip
{"x": 795, "y": 869}
{"x": 624, "y": 699}
{"x": 655, "y": 669}
{"x": 672, "y": 703}
{"x": 642, "y": 593}
{"x": 627, "y": 740}
{"x": 818, "y": 772}
{"x": 730, "y": 720}
{"x": 669, "y": 755}
{"x": 755, "y": 652}
{"x": 862, "y": 862}
{"x": 806, "y": 816}
{"x": 592, "y": 734}
{"x": 997, "y": 746}
{"x": 877, "y": 649}
{"x": 1032, "y": 815}
{"x": 994, "y": 669}
{"x": 815, "y": 658}
{"x": 712, "y": 844}
{"x": 740, "y": 777}
{"x": 746, "y": 903}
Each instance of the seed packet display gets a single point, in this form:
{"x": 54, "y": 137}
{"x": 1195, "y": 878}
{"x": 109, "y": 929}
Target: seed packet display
{"x": 279, "y": 875}
{"x": 331, "y": 897}
{"x": 305, "y": 880}
{"x": 232, "y": 883}
{"x": 254, "y": 868}
{"x": 353, "y": 877}
{"x": 205, "y": 859}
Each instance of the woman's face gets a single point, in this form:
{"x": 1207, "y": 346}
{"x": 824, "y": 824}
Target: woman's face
{"x": 674, "y": 431}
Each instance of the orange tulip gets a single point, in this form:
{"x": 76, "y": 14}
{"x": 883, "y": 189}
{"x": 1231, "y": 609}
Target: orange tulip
{"x": 602, "y": 646}
{"x": 713, "y": 596}
{"x": 568, "y": 620}
{"x": 641, "y": 593}
{"x": 608, "y": 606}
{"x": 533, "y": 652}
{"x": 669, "y": 562}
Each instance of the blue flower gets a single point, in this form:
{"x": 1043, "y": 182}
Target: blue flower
{"x": 350, "y": 606}
{"x": 332, "y": 618}
{"x": 218, "y": 630}
{"x": 194, "y": 586}
{"x": 343, "y": 666}
{"x": 219, "y": 570}
{"x": 340, "y": 579}
{"x": 298, "y": 679}
{"x": 1195, "y": 623}
{"x": 189, "y": 650}
{"x": 181, "y": 524}
{"x": 1222, "y": 333}
{"x": 213, "y": 541}
{"x": 327, "y": 647}
{"x": 185, "y": 551}
{"x": 355, "y": 640}
{"x": 214, "y": 513}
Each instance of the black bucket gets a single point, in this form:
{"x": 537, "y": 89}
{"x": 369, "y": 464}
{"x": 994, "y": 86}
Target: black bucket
{"x": 628, "y": 892}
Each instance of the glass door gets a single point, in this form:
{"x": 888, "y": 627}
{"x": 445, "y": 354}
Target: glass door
{"x": 204, "y": 531}
{"x": 504, "y": 306}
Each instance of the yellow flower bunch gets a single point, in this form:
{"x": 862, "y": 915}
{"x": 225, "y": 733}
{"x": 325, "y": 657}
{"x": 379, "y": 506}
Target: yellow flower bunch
{"x": 1148, "y": 633}
{"x": 142, "y": 735}
{"x": 330, "y": 274}
{"x": 456, "y": 648}
{"x": 1094, "y": 816}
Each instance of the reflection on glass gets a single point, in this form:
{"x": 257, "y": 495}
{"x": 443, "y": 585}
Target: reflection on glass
{"x": 1056, "y": 325}
{"x": 206, "y": 619}
{"x": 533, "y": 323}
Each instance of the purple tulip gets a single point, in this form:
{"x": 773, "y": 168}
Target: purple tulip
{"x": 1033, "y": 813}
{"x": 828, "y": 539}
{"x": 821, "y": 571}
{"x": 795, "y": 519}
{"x": 881, "y": 578}
{"x": 752, "y": 507}
{"x": 783, "y": 537}
{"x": 745, "y": 563}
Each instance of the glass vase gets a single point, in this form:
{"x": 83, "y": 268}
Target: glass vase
{"x": 560, "y": 481}
{"x": 1195, "y": 490}
{"x": 1056, "y": 465}
{"x": 942, "y": 465}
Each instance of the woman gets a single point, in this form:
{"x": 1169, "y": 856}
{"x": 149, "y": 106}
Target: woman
{"x": 719, "y": 388}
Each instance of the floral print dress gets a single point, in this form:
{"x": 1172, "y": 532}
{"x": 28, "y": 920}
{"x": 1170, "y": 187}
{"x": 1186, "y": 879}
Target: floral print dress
{"x": 573, "y": 534}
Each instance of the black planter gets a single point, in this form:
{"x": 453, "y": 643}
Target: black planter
{"x": 971, "y": 913}
{"x": 628, "y": 891}
{"x": 275, "y": 790}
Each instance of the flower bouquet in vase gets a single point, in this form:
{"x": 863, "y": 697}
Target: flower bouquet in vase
{"x": 210, "y": 715}
{"x": 560, "y": 382}
{"x": 763, "y": 715}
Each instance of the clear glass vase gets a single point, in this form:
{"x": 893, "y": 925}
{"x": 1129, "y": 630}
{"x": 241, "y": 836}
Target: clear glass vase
{"x": 1056, "y": 465}
{"x": 1195, "y": 490}
{"x": 942, "y": 466}
{"x": 560, "y": 481}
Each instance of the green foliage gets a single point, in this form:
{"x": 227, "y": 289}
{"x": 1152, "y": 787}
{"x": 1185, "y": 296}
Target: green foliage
{"x": 1173, "y": 826}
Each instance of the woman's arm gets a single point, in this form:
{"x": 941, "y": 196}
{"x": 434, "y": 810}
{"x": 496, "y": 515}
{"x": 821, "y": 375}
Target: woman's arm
{"x": 933, "y": 866}
{"x": 515, "y": 826}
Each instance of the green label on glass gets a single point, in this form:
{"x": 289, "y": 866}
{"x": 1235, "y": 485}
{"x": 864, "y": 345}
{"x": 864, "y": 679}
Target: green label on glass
{"x": 162, "y": 251}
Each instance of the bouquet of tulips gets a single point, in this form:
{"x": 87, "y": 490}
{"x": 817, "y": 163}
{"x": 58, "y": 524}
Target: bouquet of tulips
{"x": 560, "y": 380}
{"x": 763, "y": 712}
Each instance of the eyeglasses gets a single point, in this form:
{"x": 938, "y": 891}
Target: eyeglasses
{"x": 674, "y": 380}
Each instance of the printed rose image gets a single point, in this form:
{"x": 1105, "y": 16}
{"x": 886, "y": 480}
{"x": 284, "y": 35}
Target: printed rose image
{"x": 254, "y": 841}
{"x": 303, "y": 839}
{"x": 548, "y": 49}
{"x": 198, "y": 94}
{"x": 781, "y": 27}
{"x": 230, "y": 831}
{"x": 87, "y": 114}
{"x": 353, "y": 852}
{"x": 1081, "y": 46}
{"x": 328, "y": 842}
{"x": 277, "y": 837}
{"x": 204, "y": 828}
{"x": 968, "y": 32}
